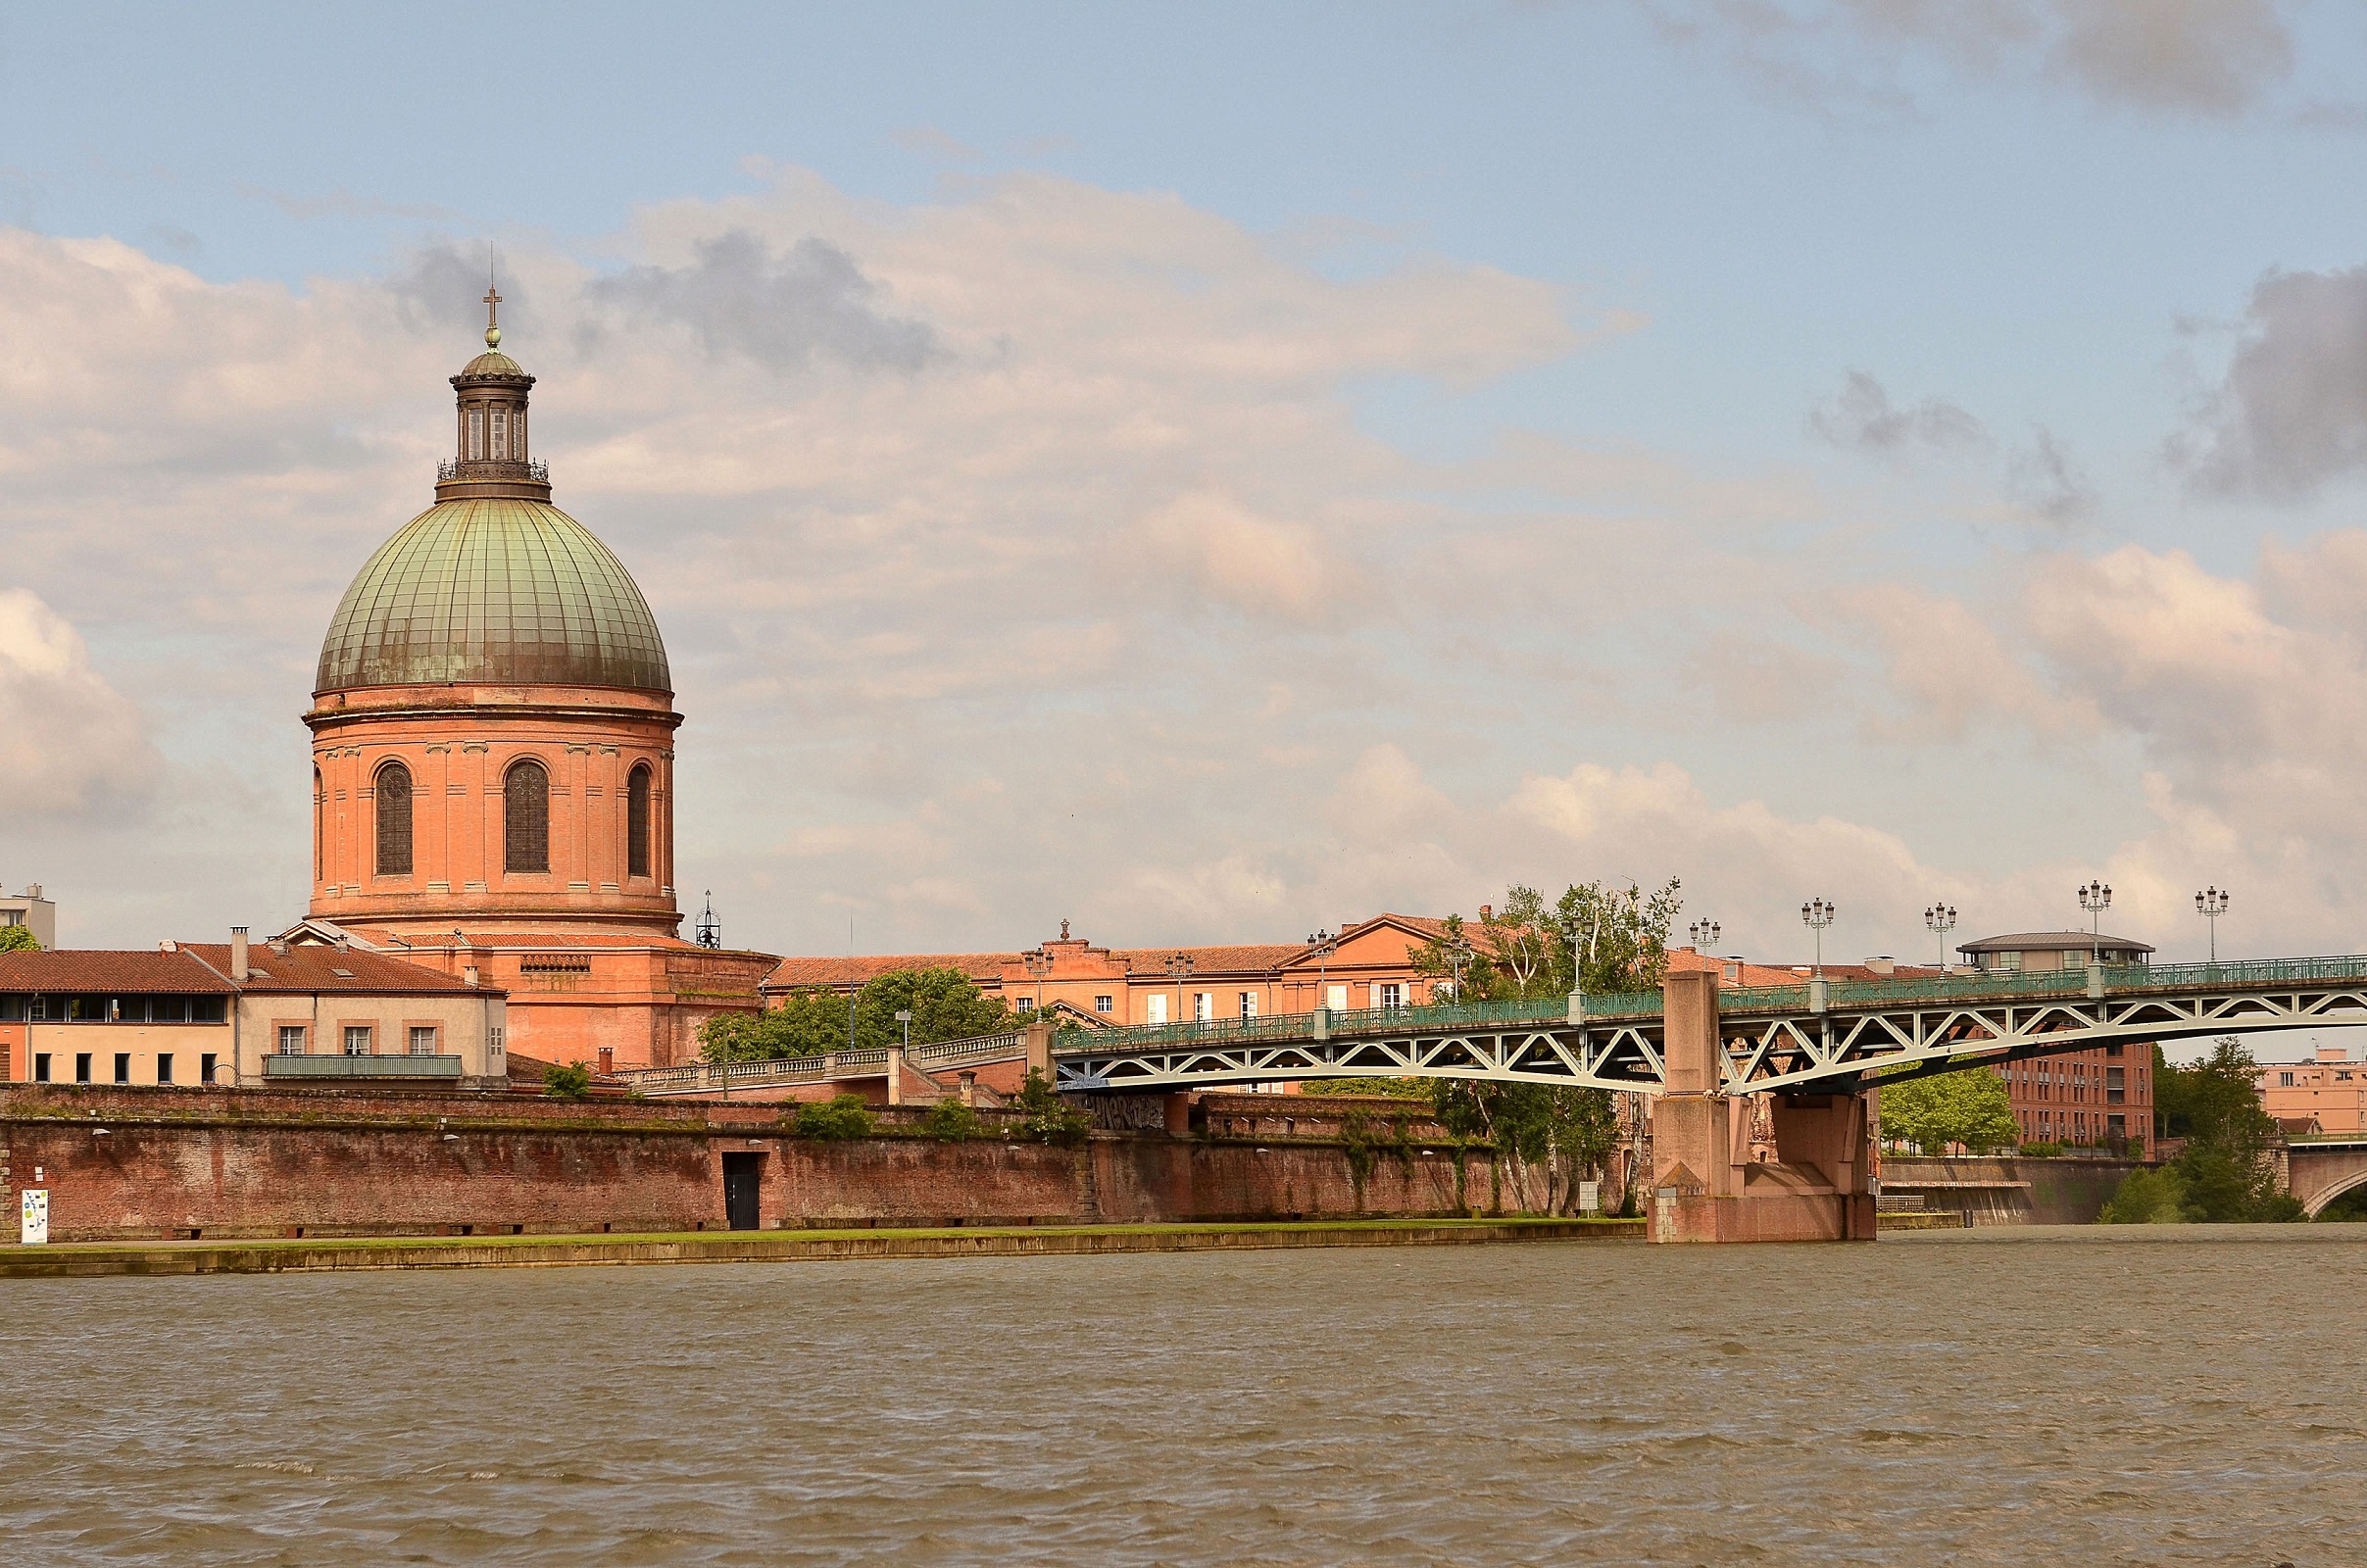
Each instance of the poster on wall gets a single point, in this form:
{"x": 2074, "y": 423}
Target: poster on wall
{"x": 32, "y": 1217}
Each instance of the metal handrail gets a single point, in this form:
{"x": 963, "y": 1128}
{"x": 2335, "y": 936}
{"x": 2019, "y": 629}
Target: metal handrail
{"x": 1989, "y": 984}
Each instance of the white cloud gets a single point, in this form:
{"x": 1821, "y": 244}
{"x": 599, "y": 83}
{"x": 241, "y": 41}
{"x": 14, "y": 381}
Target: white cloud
{"x": 69, "y": 744}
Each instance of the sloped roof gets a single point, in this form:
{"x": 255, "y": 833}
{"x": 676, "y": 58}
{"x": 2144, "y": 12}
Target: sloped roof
{"x": 129, "y": 974}
{"x": 309, "y": 969}
{"x": 2050, "y": 942}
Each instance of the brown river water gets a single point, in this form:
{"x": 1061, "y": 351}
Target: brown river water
{"x": 2033, "y": 1397}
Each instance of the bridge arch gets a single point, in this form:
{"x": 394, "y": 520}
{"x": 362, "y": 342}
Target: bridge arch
{"x": 2318, "y": 1174}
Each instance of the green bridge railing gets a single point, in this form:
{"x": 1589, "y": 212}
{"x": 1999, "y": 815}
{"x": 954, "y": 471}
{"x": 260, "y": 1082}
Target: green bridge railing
{"x": 1839, "y": 995}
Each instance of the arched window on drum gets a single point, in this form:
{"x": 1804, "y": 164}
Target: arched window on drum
{"x": 637, "y": 823}
{"x": 391, "y": 793}
{"x": 527, "y": 817}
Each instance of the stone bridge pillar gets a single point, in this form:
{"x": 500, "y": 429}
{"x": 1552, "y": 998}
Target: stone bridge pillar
{"x": 1706, "y": 1185}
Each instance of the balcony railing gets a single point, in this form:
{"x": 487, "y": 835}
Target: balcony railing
{"x": 537, "y": 471}
{"x": 361, "y": 1067}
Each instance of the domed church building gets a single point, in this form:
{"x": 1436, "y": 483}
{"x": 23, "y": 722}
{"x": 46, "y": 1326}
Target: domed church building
{"x": 493, "y": 763}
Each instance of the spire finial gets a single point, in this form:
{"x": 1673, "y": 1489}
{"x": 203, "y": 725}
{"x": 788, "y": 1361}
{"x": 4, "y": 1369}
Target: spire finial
{"x": 493, "y": 305}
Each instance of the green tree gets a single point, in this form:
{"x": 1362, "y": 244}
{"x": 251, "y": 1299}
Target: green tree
{"x": 1967, "y": 1107}
{"x": 834, "y": 1120}
{"x": 1597, "y": 937}
{"x": 17, "y": 939}
{"x": 570, "y": 1082}
{"x": 2227, "y": 1174}
{"x": 1050, "y": 1120}
{"x": 944, "y": 1005}
{"x": 2147, "y": 1197}
{"x": 950, "y": 1122}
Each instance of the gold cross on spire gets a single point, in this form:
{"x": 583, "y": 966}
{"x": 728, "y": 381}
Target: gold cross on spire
{"x": 493, "y": 305}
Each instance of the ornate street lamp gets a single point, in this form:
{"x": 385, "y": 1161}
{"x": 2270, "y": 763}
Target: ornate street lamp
{"x": 2212, "y": 904}
{"x": 1940, "y": 919}
{"x": 1705, "y": 935}
{"x": 1179, "y": 966}
{"x": 1039, "y": 964}
{"x": 2095, "y": 898}
{"x": 1816, "y": 914}
{"x": 1325, "y": 945}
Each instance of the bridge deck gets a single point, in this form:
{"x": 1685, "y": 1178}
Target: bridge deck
{"x": 1814, "y": 1036}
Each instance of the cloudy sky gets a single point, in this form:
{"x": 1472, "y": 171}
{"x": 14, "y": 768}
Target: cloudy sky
{"x": 1209, "y": 471}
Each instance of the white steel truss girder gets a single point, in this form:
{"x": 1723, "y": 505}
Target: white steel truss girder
{"x": 1798, "y": 1052}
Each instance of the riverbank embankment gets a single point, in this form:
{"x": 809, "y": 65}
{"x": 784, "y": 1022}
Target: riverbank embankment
{"x": 86, "y": 1259}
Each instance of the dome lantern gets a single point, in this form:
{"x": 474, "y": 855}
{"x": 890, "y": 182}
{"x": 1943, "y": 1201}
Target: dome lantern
{"x": 490, "y": 456}
{"x": 493, "y": 584}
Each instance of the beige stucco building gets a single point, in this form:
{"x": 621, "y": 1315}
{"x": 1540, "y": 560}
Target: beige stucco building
{"x": 216, "y": 1015}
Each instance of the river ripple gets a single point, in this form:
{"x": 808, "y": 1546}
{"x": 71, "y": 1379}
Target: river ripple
{"x": 2175, "y": 1396}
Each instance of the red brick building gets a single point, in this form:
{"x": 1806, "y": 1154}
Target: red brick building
{"x": 493, "y": 749}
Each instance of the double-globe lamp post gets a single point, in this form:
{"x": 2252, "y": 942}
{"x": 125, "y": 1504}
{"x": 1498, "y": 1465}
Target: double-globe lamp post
{"x": 1940, "y": 919}
{"x": 1816, "y": 914}
{"x": 2212, "y": 904}
{"x": 2095, "y": 898}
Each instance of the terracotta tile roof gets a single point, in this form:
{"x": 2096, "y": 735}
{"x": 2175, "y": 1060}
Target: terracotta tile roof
{"x": 791, "y": 974}
{"x": 314, "y": 969}
{"x": 1232, "y": 958}
{"x": 1244, "y": 958}
{"x": 132, "y": 973}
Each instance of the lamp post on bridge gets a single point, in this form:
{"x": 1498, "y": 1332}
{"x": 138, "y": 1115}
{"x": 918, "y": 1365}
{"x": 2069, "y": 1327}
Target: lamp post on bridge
{"x": 1940, "y": 919}
{"x": 1816, "y": 914}
{"x": 1039, "y": 964}
{"x": 1324, "y": 944}
{"x": 2095, "y": 898}
{"x": 1180, "y": 967}
{"x": 2212, "y": 904}
{"x": 1705, "y": 934}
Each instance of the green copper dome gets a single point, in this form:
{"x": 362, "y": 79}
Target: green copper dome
{"x": 493, "y": 589}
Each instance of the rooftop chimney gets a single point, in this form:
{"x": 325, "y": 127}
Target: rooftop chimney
{"x": 1882, "y": 965}
{"x": 1486, "y": 911}
{"x": 238, "y": 955}
{"x": 469, "y": 973}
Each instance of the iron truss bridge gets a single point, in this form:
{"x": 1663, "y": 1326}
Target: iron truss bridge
{"x": 1821, "y": 1036}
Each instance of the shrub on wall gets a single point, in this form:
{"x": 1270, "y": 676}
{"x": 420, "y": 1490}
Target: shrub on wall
{"x": 833, "y": 1120}
{"x": 950, "y": 1122}
{"x": 1050, "y": 1118}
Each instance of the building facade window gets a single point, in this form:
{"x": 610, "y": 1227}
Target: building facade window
{"x": 1104, "y": 1003}
{"x": 1203, "y": 1005}
{"x": 123, "y": 1067}
{"x": 501, "y": 434}
{"x": 1336, "y": 999}
{"x": 40, "y": 1066}
{"x": 1249, "y": 1004}
{"x": 81, "y": 1066}
{"x": 422, "y": 1039}
{"x": 393, "y": 793}
{"x": 1157, "y": 1011}
{"x": 637, "y": 823}
{"x": 291, "y": 1040}
{"x": 320, "y": 812}
{"x": 164, "y": 1067}
{"x": 527, "y": 817}
{"x": 1389, "y": 994}
{"x": 476, "y": 434}
{"x": 356, "y": 1040}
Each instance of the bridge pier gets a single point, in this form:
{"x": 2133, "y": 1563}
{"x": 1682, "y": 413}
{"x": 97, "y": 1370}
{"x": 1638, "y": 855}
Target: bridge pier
{"x": 1706, "y": 1185}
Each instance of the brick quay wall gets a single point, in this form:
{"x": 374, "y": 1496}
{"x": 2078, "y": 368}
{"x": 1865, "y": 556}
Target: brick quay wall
{"x": 142, "y": 1163}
